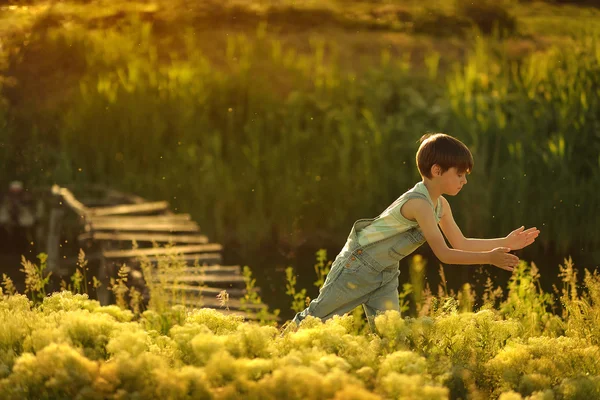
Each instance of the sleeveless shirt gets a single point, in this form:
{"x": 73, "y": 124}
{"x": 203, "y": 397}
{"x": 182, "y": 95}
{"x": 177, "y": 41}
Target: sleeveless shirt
{"x": 383, "y": 241}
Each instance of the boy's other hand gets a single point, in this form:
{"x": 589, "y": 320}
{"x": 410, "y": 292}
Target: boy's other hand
{"x": 501, "y": 258}
{"x": 520, "y": 237}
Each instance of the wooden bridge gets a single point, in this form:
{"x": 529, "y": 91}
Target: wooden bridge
{"x": 118, "y": 228}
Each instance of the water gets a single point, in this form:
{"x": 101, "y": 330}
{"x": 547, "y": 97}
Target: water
{"x": 268, "y": 266}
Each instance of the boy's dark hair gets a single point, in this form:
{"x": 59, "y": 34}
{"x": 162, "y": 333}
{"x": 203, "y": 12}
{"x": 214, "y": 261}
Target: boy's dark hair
{"x": 445, "y": 151}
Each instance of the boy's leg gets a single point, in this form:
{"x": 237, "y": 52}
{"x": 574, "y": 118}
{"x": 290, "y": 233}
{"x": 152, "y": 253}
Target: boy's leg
{"x": 324, "y": 308}
{"x": 343, "y": 291}
{"x": 383, "y": 299}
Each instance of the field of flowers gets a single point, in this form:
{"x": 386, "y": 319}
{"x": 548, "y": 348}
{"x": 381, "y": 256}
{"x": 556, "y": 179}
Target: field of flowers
{"x": 516, "y": 344}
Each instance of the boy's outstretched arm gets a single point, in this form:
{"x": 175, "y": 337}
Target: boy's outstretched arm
{"x": 515, "y": 240}
{"x": 421, "y": 211}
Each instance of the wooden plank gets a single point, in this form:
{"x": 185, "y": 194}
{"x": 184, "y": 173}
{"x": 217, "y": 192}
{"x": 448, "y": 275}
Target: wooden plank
{"x": 140, "y": 219}
{"x": 199, "y": 279}
{"x": 128, "y": 209}
{"x": 209, "y": 270}
{"x": 104, "y": 274}
{"x": 70, "y": 200}
{"x": 70, "y": 262}
{"x": 175, "y": 250}
{"x": 214, "y": 302}
{"x": 53, "y": 241}
{"x": 247, "y": 315}
{"x": 212, "y": 269}
{"x": 143, "y": 237}
{"x": 103, "y": 194}
{"x": 206, "y": 290}
{"x": 184, "y": 226}
{"x": 190, "y": 259}
{"x": 92, "y": 202}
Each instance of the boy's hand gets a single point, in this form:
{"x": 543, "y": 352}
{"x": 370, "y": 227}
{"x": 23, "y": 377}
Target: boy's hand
{"x": 520, "y": 238}
{"x": 501, "y": 258}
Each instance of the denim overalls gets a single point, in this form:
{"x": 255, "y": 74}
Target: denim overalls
{"x": 367, "y": 274}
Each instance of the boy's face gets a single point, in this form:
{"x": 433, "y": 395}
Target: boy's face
{"x": 452, "y": 181}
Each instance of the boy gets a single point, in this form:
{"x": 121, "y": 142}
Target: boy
{"x": 366, "y": 270}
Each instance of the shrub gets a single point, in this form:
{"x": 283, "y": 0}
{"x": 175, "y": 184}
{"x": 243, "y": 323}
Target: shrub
{"x": 67, "y": 301}
{"x": 188, "y": 383}
{"x": 90, "y": 334}
{"x": 581, "y": 312}
{"x": 214, "y": 320}
{"x": 403, "y": 362}
{"x": 528, "y": 303}
{"x": 70, "y": 347}
{"x": 406, "y": 387}
{"x": 251, "y": 341}
{"x": 542, "y": 363}
{"x": 58, "y": 371}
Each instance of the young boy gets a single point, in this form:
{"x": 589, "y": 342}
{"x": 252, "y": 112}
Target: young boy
{"x": 365, "y": 272}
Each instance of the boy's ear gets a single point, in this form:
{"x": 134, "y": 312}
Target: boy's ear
{"x": 436, "y": 170}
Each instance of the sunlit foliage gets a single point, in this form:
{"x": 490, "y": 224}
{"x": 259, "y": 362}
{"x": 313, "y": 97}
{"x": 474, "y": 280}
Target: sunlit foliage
{"x": 68, "y": 346}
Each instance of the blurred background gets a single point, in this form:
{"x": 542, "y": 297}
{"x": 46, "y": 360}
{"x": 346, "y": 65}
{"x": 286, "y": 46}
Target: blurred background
{"x": 277, "y": 123}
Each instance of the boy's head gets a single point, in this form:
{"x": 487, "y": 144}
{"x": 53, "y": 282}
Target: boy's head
{"x": 445, "y": 151}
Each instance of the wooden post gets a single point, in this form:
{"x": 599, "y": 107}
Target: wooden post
{"x": 104, "y": 274}
{"x": 53, "y": 243}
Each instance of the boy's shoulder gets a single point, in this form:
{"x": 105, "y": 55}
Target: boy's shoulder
{"x": 416, "y": 205}
{"x": 413, "y": 207}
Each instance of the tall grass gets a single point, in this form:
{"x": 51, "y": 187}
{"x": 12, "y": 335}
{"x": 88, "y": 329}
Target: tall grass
{"x": 272, "y": 146}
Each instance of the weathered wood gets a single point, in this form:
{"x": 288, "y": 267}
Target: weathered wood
{"x": 129, "y": 209}
{"x": 143, "y": 219}
{"x": 53, "y": 241}
{"x": 208, "y": 270}
{"x": 206, "y": 290}
{"x": 155, "y": 251}
{"x": 104, "y": 272}
{"x": 142, "y": 237}
{"x": 211, "y": 269}
{"x": 191, "y": 259}
{"x": 69, "y": 262}
{"x": 70, "y": 200}
{"x": 199, "y": 284}
{"x": 91, "y": 202}
{"x": 249, "y": 315}
{"x": 214, "y": 302}
{"x": 199, "y": 279}
{"x": 182, "y": 226}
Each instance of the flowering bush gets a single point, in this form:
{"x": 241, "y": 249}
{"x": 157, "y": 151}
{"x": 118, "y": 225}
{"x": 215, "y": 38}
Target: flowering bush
{"x": 67, "y": 346}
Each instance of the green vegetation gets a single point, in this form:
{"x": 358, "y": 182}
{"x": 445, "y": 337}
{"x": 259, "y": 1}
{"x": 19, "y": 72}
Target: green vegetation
{"x": 67, "y": 346}
{"x": 298, "y": 124}
{"x": 276, "y": 124}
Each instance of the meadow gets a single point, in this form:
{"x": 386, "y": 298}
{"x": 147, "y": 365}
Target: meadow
{"x": 276, "y": 125}
{"x": 510, "y": 343}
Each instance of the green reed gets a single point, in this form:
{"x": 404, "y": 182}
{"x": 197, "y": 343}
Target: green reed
{"x": 533, "y": 128}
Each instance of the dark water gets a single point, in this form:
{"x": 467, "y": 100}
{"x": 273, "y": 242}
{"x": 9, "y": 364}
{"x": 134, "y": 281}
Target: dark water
{"x": 268, "y": 268}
